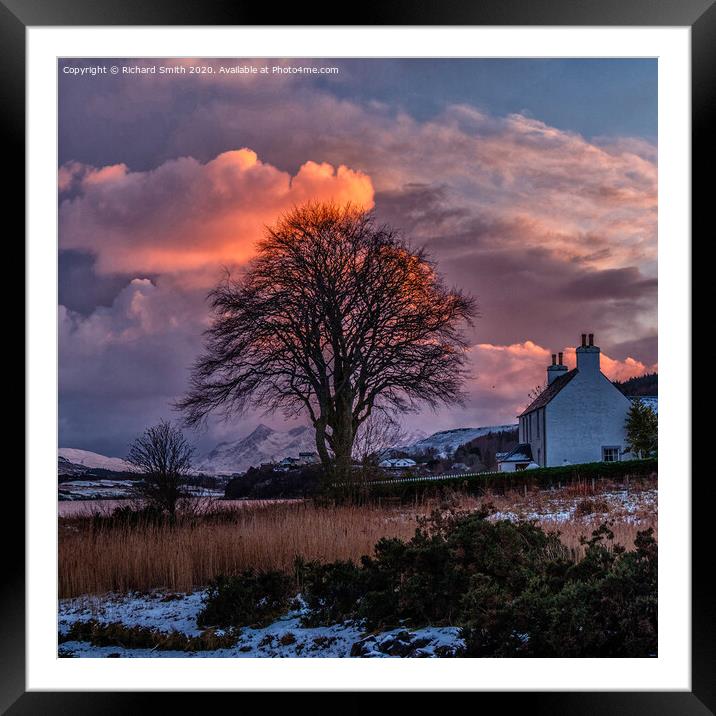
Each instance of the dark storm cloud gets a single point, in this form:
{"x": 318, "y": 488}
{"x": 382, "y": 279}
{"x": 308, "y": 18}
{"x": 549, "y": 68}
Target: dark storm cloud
{"x": 612, "y": 284}
{"x": 525, "y": 291}
{"x": 80, "y": 289}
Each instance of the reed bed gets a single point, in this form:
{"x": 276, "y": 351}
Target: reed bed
{"x": 99, "y": 556}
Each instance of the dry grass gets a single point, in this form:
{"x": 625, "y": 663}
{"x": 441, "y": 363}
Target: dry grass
{"x": 95, "y": 559}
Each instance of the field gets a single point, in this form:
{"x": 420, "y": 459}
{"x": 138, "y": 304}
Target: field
{"x": 99, "y": 555}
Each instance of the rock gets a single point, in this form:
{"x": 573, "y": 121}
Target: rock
{"x": 399, "y": 644}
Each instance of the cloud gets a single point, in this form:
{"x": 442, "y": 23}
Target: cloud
{"x": 553, "y": 233}
{"x": 569, "y": 192}
{"x": 142, "y": 344}
{"x": 123, "y": 365}
{"x": 185, "y": 215}
{"x": 505, "y": 375}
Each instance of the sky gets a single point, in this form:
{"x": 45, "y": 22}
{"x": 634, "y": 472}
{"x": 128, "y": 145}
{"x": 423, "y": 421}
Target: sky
{"x": 532, "y": 184}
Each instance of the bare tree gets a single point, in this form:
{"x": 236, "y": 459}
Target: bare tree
{"x": 377, "y": 434}
{"x": 536, "y": 392}
{"x": 163, "y": 458}
{"x": 334, "y": 316}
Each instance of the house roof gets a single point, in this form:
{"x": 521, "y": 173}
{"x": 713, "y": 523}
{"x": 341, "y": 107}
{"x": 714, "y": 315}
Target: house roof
{"x": 549, "y": 392}
{"x": 397, "y": 462}
{"x": 521, "y": 453}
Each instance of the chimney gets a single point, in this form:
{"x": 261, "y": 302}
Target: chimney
{"x": 556, "y": 369}
{"x": 588, "y": 356}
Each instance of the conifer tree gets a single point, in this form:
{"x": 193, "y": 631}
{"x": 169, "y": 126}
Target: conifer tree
{"x": 642, "y": 429}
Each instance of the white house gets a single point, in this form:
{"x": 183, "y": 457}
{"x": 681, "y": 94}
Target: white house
{"x": 579, "y": 417}
{"x": 398, "y": 463}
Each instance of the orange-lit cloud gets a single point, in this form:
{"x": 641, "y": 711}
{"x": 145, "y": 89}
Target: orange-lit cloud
{"x": 570, "y": 195}
{"x": 185, "y": 215}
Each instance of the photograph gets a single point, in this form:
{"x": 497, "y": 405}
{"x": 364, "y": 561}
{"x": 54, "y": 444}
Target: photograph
{"x": 357, "y": 357}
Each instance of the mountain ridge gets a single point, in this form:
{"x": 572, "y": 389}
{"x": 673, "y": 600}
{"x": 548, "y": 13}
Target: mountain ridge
{"x": 266, "y": 445}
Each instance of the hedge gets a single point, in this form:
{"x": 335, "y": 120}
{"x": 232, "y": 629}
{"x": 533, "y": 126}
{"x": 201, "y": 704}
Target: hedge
{"x": 498, "y": 481}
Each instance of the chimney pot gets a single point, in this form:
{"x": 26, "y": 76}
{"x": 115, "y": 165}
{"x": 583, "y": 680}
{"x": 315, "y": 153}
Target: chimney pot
{"x": 584, "y": 340}
{"x": 560, "y": 359}
{"x": 591, "y": 339}
{"x": 554, "y": 359}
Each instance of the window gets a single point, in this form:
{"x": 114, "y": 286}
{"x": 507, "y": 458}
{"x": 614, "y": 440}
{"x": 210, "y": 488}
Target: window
{"x": 611, "y": 453}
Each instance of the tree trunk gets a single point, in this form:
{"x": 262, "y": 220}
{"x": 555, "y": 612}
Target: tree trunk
{"x": 343, "y": 448}
{"x": 320, "y": 427}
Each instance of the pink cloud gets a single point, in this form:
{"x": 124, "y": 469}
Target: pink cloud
{"x": 505, "y": 374}
{"x": 185, "y": 215}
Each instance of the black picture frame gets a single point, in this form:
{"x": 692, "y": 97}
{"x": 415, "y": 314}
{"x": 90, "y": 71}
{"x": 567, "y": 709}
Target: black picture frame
{"x": 699, "y": 15}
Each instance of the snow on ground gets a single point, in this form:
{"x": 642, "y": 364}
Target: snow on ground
{"x": 630, "y": 506}
{"x": 283, "y": 638}
{"x": 97, "y": 489}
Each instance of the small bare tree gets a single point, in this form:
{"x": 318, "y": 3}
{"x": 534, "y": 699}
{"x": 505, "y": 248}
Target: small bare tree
{"x": 377, "y": 434}
{"x": 535, "y": 393}
{"x": 163, "y": 458}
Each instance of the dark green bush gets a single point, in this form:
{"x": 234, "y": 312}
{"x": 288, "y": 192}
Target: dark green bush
{"x": 331, "y": 591}
{"x": 423, "y": 581}
{"x": 127, "y": 516}
{"x": 511, "y": 586}
{"x": 602, "y": 606}
{"x": 250, "y": 598}
{"x": 262, "y": 483}
{"x": 139, "y": 637}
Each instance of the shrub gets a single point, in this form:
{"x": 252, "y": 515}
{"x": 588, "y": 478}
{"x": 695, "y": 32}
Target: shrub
{"x": 512, "y": 588}
{"x": 590, "y": 506}
{"x": 603, "y": 606}
{"x": 139, "y": 637}
{"x": 128, "y": 516}
{"x": 262, "y": 483}
{"x": 423, "y": 581}
{"x": 331, "y": 591}
{"x": 252, "y": 597}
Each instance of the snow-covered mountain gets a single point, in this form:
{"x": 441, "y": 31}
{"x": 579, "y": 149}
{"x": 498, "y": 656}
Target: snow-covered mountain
{"x": 446, "y": 442}
{"x": 90, "y": 460}
{"x": 413, "y": 436}
{"x": 263, "y": 445}
{"x": 266, "y": 445}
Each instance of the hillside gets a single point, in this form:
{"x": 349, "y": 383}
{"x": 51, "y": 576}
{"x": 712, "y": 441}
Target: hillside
{"x": 74, "y": 460}
{"x": 642, "y": 385}
{"x": 444, "y": 443}
{"x": 263, "y": 445}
